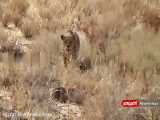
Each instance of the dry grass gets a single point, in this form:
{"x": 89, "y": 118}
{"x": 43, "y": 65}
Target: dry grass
{"x": 10, "y": 17}
{"x": 151, "y": 18}
{"x": 3, "y": 36}
{"x": 29, "y": 27}
{"x": 13, "y": 11}
{"x": 45, "y": 13}
{"x": 18, "y": 6}
{"x": 0, "y": 13}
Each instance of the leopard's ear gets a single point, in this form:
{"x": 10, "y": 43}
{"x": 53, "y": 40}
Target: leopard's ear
{"x": 62, "y": 37}
{"x": 71, "y": 32}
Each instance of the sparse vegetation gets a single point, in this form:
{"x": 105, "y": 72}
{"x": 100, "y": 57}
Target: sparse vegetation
{"x": 13, "y": 11}
{"x": 10, "y": 17}
{"x": 29, "y": 28}
{"x": 3, "y": 36}
{"x": 18, "y": 6}
{"x": 119, "y": 56}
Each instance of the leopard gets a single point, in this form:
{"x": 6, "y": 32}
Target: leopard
{"x": 76, "y": 50}
{"x": 71, "y": 46}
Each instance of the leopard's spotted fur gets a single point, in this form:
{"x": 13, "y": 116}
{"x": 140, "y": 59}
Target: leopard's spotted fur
{"x": 71, "y": 47}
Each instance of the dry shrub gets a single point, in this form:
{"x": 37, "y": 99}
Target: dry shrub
{"x": 62, "y": 13}
{"x": 151, "y": 18}
{"x": 13, "y": 51}
{"x": 137, "y": 51}
{"x": 49, "y": 20}
{"x": 50, "y": 47}
{"x": 51, "y": 25}
{"x": 18, "y": 6}
{"x": 10, "y": 17}
{"x": 6, "y": 18}
{"x": 3, "y": 36}
{"x": 3, "y": 40}
{"x": 9, "y": 77}
{"x": 58, "y": 9}
{"x": 21, "y": 98}
{"x": 30, "y": 89}
{"x": 73, "y": 4}
{"x": 14, "y": 11}
{"x": 111, "y": 90}
{"x": 0, "y": 13}
{"x": 133, "y": 8}
{"x": 29, "y": 27}
{"x": 97, "y": 40}
{"x": 106, "y": 99}
{"x": 71, "y": 78}
{"x": 96, "y": 13}
{"x": 45, "y": 13}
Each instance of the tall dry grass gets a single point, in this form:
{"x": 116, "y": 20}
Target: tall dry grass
{"x": 13, "y": 11}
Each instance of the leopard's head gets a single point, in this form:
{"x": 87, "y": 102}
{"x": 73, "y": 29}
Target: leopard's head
{"x": 67, "y": 38}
